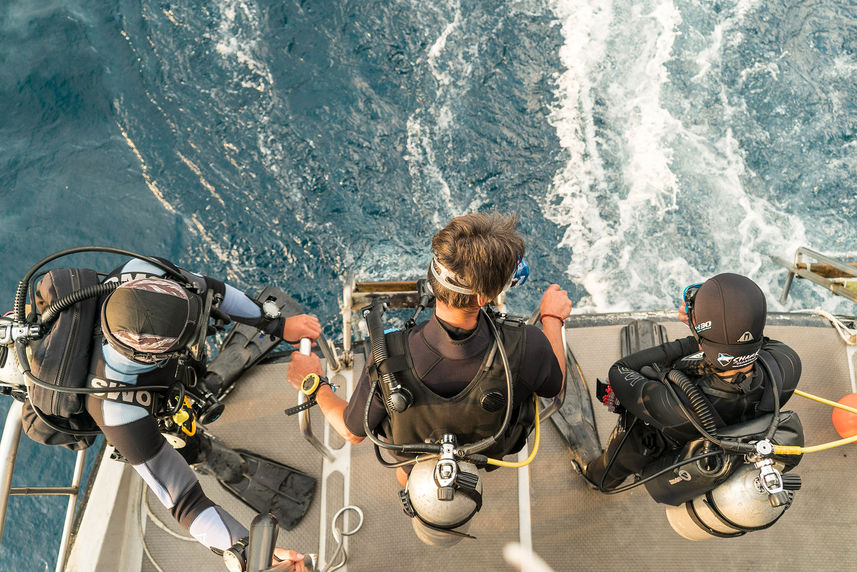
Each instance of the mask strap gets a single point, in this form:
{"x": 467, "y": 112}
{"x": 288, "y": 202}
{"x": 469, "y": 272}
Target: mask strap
{"x": 444, "y": 277}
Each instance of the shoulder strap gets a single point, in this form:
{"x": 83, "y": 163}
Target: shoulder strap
{"x": 775, "y": 375}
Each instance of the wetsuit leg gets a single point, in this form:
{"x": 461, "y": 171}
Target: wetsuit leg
{"x": 135, "y": 434}
{"x": 631, "y": 447}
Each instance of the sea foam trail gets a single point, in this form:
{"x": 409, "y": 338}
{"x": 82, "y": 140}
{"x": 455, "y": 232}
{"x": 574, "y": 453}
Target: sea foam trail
{"x": 654, "y": 194}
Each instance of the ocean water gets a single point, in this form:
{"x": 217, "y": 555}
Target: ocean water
{"x": 644, "y": 145}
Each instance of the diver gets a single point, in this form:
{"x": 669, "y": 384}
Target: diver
{"x": 150, "y": 330}
{"x": 447, "y": 363}
{"x": 727, "y": 357}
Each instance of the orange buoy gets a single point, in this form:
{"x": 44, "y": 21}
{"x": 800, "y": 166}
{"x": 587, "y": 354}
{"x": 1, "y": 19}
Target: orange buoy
{"x": 845, "y": 422}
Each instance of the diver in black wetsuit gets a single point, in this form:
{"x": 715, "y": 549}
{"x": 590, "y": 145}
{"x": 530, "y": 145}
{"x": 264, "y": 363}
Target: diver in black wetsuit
{"x": 476, "y": 257}
{"x": 727, "y": 316}
{"x": 146, "y": 322}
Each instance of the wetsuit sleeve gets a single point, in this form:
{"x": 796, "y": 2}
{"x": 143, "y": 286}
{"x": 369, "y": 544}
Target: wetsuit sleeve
{"x": 241, "y": 308}
{"x": 357, "y": 404}
{"x": 540, "y": 370}
{"x": 235, "y": 303}
{"x": 646, "y": 398}
{"x": 789, "y": 363}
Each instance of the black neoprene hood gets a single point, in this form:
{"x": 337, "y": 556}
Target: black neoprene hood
{"x": 729, "y": 314}
{"x": 150, "y": 316}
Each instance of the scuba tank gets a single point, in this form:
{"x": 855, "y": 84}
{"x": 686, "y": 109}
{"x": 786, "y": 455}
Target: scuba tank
{"x": 444, "y": 489}
{"x": 739, "y": 505}
{"x": 436, "y": 521}
{"x": 53, "y": 345}
{"x": 728, "y": 482}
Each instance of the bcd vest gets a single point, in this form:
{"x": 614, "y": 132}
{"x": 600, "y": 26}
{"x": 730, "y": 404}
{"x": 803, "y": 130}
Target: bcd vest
{"x": 165, "y": 376}
{"x": 474, "y": 413}
{"x": 70, "y": 356}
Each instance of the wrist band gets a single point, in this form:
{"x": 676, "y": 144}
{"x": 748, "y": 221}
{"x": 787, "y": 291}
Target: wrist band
{"x": 543, "y": 316}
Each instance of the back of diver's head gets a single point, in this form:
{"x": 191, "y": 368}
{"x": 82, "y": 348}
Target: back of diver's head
{"x": 482, "y": 251}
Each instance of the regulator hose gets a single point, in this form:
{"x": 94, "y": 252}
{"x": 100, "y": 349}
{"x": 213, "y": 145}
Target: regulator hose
{"x": 20, "y": 300}
{"x": 53, "y": 311}
{"x": 398, "y": 399}
{"x": 735, "y": 446}
{"x": 698, "y": 402}
{"x": 21, "y": 292}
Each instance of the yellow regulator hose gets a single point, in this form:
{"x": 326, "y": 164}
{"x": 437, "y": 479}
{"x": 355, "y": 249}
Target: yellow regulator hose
{"x": 528, "y": 460}
{"x": 791, "y": 450}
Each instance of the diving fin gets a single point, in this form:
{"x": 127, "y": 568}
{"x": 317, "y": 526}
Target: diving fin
{"x": 640, "y": 335}
{"x": 246, "y": 345}
{"x": 575, "y": 420}
{"x": 264, "y": 485}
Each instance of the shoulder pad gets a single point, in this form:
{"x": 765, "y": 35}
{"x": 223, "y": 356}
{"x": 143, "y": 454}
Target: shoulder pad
{"x": 506, "y": 320}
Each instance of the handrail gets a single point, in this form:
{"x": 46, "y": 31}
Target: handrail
{"x": 304, "y": 419}
{"x": 807, "y": 272}
{"x": 8, "y": 453}
{"x": 347, "y": 292}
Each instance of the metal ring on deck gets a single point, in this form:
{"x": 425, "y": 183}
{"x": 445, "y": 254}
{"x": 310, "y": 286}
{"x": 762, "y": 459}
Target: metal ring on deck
{"x": 337, "y": 531}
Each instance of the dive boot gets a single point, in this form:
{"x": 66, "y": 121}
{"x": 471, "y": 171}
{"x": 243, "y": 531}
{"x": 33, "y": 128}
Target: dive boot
{"x": 246, "y": 345}
{"x": 575, "y": 420}
{"x": 264, "y": 485}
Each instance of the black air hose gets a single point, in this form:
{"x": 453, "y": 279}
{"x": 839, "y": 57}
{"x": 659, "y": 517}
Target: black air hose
{"x": 398, "y": 398}
{"x": 376, "y": 337}
{"x": 52, "y": 312}
{"x": 20, "y": 301}
{"x": 697, "y": 399}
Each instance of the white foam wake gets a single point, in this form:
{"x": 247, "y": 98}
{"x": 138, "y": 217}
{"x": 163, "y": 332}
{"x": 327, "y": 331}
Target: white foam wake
{"x": 654, "y": 194}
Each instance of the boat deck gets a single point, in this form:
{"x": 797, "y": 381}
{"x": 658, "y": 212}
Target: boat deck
{"x": 544, "y": 506}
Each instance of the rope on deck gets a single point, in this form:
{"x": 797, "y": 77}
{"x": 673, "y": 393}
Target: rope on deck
{"x": 848, "y": 335}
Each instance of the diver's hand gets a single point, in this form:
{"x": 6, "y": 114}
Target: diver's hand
{"x": 555, "y": 302}
{"x": 288, "y": 561}
{"x": 301, "y": 366}
{"x": 301, "y": 326}
{"x": 682, "y": 314}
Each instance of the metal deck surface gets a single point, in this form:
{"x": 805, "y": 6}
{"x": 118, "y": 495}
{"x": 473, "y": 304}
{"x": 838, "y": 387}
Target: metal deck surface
{"x": 572, "y": 527}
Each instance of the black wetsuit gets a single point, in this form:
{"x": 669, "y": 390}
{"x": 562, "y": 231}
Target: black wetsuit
{"x": 654, "y": 423}
{"x": 446, "y": 359}
{"x": 133, "y": 431}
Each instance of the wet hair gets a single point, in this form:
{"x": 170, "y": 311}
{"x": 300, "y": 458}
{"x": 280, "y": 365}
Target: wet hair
{"x": 482, "y": 250}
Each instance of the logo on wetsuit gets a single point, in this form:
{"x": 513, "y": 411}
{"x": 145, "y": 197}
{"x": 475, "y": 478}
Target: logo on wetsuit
{"x": 740, "y": 361}
{"x": 141, "y": 398}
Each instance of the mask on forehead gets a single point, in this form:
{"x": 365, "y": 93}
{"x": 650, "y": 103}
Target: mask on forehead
{"x": 444, "y": 276}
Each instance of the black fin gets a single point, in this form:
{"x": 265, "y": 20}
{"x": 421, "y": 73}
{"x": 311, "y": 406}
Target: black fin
{"x": 264, "y": 485}
{"x": 640, "y": 335}
{"x": 575, "y": 420}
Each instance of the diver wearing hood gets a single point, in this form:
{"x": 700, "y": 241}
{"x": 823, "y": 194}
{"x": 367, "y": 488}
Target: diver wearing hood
{"x": 444, "y": 361}
{"x": 737, "y": 370}
{"x": 152, "y": 328}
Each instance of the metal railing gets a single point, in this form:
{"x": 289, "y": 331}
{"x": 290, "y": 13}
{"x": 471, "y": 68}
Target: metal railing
{"x": 8, "y": 453}
{"x": 825, "y": 271}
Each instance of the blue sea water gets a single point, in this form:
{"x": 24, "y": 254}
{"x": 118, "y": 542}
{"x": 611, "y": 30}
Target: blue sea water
{"x": 644, "y": 144}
